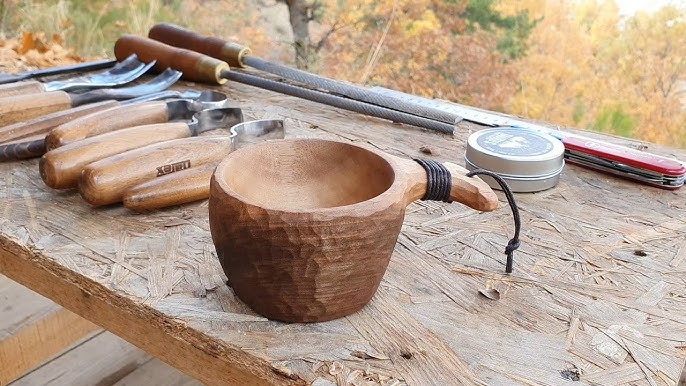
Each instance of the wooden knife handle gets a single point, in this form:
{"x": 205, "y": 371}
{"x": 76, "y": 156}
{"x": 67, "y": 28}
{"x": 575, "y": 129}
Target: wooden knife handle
{"x": 42, "y": 125}
{"x": 104, "y": 121}
{"x": 195, "y": 66}
{"x": 173, "y": 189}
{"x": 104, "y": 182}
{"x": 28, "y": 148}
{"x": 20, "y": 108}
{"x": 18, "y": 88}
{"x": 60, "y": 168}
{"x": 176, "y": 36}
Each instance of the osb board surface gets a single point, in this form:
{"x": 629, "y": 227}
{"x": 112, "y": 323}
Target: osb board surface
{"x": 598, "y": 294}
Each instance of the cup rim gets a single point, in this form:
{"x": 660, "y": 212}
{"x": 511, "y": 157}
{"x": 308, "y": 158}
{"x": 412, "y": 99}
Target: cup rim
{"x": 384, "y": 199}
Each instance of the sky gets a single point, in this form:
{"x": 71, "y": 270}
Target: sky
{"x": 629, "y": 7}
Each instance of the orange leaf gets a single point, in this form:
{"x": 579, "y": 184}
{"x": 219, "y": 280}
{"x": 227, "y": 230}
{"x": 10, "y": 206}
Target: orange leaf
{"x": 27, "y": 43}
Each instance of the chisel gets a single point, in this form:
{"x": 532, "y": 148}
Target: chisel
{"x": 105, "y": 181}
{"x": 123, "y": 72}
{"x": 61, "y": 168}
{"x": 27, "y": 139}
{"x": 174, "y": 189}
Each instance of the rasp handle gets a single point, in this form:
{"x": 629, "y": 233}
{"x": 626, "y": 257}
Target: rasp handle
{"x": 176, "y": 36}
{"x": 195, "y": 66}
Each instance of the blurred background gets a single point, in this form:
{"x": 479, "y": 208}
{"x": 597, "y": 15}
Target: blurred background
{"x": 617, "y": 67}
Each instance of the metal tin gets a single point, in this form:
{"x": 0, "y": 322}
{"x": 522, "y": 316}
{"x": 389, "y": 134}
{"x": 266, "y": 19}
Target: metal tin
{"x": 528, "y": 161}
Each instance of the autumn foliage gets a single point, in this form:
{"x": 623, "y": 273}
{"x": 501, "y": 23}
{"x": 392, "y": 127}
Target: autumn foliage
{"x": 591, "y": 69}
{"x": 575, "y": 63}
{"x": 421, "y": 47}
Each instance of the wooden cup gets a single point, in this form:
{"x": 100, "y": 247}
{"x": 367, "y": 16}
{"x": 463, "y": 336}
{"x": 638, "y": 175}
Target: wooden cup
{"x": 304, "y": 228}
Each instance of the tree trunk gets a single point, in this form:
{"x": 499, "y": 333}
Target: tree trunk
{"x": 299, "y": 12}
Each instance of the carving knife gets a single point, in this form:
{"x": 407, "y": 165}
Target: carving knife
{"x": 61, "y": 168}
{"x": 120, "y": 117}
{"x": 104, "y": 182}
{"x": 194, "y": 184}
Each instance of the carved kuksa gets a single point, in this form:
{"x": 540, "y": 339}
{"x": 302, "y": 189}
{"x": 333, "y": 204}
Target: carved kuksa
{"x": 305, "y": 228}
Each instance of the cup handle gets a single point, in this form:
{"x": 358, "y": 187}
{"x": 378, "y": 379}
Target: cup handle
{"x": 470, "y": 191}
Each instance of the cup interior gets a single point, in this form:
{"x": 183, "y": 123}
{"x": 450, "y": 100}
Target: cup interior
{"x": 305, "y": 174}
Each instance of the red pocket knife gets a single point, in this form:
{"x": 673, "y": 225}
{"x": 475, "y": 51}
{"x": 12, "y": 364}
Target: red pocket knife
{"x": 662, "y": 172}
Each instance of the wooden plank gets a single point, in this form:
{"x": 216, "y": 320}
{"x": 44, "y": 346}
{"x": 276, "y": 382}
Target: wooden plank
{"x": 598, "y": 287}
{"x": 20, "y": 307}
{"x": 41, "y": 341}
{"x": 156, "y": 372}
{"x": 34, "y": 330}
{"x": 138, "y": 323}
{"x": 102, "y": 360}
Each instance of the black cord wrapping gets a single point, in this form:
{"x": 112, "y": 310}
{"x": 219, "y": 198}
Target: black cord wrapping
{"x": 513, "y": 244}
{"x": 438, "y": 189}
{"x": 440, "y": 180}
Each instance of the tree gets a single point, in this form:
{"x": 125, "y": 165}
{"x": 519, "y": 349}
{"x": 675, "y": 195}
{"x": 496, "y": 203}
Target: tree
{"x": 301, "y": 13}
{"x": 450, "y": 49}
{"x": 436, "y": 48}
{"x": 590, "y": 69}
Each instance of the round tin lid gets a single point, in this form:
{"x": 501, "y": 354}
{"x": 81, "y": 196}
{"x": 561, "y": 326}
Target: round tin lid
{"x": 515, "y": 152}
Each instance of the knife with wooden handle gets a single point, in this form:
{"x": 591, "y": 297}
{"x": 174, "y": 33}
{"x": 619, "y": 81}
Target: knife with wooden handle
{"x": 18, "y": 108}
{"x": 42, "y": 125}
{"x": 174, "y": 189}
{"x": 60, "y": 168}
{"x": 136, "y": 114}
{"x": 104, "y": 121}
{"x": 24, "y": 148}
{"x": 105, "y": 181}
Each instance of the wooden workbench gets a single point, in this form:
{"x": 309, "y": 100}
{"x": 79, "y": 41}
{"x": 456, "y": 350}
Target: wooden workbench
{"x": 598, "y": 294}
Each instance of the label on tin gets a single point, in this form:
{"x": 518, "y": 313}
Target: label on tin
{"x": 518, "y": 143}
